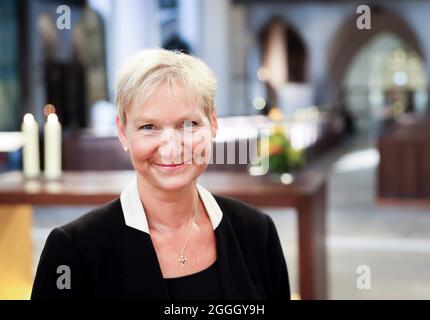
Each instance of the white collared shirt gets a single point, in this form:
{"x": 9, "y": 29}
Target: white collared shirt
{"x": 134, "y": 213}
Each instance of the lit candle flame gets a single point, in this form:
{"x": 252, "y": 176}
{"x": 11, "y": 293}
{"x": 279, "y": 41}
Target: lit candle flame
{"x": 52, "y": 118}
{"x": 28, "y": 118}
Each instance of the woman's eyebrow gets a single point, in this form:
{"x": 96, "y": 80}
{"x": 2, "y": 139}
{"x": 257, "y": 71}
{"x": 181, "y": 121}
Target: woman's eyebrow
{"x": 180, "y": 119}
{"x": 189, "y": 115}
{"x": 145, "y": 119}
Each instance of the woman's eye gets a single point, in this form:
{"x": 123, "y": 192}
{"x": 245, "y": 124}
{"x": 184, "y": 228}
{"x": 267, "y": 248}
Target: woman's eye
{"x": 190, "y": 124}
{"x": 147, "y": 127}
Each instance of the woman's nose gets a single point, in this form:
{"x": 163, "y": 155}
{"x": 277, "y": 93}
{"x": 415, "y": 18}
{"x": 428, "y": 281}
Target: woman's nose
{"x": 170, "y": 146}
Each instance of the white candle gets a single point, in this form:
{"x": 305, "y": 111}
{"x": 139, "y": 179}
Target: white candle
{"x": 30, "y": 152}
{"x": 52, "y": 147}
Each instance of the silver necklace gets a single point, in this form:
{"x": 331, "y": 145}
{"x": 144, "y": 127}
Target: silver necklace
{"x": 182, "y": 259}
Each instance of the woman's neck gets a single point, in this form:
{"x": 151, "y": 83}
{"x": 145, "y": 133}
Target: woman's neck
{"x": 170, "y": 210}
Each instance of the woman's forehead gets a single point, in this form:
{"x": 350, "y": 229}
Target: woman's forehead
{"x": 162, "y": 110}
{"x": 168, "y": 116}
{"x": 173, "y": 96}
{"x": 166, "y": 103}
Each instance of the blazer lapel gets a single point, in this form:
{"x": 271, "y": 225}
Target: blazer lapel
{"x": 236, "y": 281}
{"x": 141, "y": 273}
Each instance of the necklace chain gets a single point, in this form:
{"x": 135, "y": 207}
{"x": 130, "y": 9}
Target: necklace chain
{"x": 182, "y": 259}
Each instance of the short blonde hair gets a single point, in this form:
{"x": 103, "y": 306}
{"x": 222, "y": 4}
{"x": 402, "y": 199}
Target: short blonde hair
{"x": 149, "y": 68}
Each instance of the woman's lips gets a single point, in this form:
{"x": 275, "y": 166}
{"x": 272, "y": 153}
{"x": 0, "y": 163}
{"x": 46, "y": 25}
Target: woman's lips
{"x": 169, "y": 167}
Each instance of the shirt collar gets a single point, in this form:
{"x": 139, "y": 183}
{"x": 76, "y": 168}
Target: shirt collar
{"x": 134, "y": 213}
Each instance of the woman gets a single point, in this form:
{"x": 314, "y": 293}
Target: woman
{"x": 166, "y": 237}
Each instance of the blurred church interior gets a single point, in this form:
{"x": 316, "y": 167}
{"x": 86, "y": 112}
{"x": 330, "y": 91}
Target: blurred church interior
{"x": 354, "y": 101}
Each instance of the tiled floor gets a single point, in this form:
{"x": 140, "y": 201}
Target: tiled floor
{"x": 393, "y": 242}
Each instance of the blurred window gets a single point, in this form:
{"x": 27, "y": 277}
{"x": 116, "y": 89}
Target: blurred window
{"x": 9, "y": 69}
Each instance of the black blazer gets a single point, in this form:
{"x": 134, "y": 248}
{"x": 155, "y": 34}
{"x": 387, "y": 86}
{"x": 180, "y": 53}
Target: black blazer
{"x": 108, "y": 259}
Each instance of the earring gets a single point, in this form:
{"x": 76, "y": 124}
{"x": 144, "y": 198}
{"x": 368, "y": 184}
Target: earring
{"x": 125, "y": 149}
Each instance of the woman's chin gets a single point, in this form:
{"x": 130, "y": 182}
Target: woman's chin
{"x": 170, "y": 180}
{"x": 173, "y": 183}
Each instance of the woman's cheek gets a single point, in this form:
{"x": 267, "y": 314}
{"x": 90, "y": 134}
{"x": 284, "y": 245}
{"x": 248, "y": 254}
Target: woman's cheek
{"x": 144, "y": 150}
{"x": 202, "y": 146}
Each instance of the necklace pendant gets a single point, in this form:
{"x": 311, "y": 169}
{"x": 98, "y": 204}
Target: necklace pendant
{"x": 182, "y": 260}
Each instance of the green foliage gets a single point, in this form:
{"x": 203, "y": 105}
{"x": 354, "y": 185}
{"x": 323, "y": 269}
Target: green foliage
{"x": 282, "y": 156}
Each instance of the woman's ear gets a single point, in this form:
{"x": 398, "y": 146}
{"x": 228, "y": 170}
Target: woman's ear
{"x": 122, "y": 133}
{"x": 214, "y": 123}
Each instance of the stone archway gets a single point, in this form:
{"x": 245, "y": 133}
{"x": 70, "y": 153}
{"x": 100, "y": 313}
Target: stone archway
{"x": 284, "y": 57}
{"x": 349, "y": 40}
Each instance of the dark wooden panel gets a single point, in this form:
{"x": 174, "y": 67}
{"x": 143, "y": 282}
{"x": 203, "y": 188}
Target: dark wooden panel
{"x": 425, "y": 170}
{"x": 408, "y": 168}
{"x": 404, "y": 168}
{"x": 389, "y": 168}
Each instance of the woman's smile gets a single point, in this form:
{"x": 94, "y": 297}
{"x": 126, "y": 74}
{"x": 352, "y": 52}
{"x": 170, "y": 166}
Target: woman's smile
{"x": 169, "y": 167}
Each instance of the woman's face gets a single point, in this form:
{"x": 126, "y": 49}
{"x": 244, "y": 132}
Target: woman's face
{"x": 169, "y": 138}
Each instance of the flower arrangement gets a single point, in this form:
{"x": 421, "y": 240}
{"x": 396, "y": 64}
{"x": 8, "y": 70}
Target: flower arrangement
{"x": 282, "y": 156}
{"x": 279, "y": 153}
